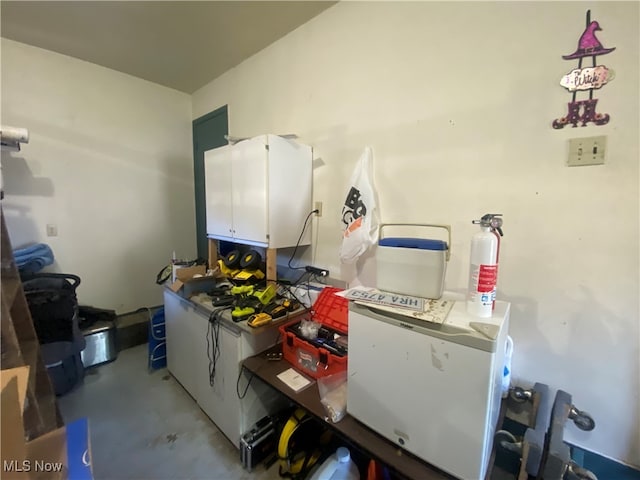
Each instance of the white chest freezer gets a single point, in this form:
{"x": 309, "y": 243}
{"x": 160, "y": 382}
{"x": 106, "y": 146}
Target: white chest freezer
{"x": 434, "y": 390}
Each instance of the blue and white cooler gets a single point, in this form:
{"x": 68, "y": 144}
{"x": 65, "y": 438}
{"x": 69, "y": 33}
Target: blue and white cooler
{"x": 412, "y": 265}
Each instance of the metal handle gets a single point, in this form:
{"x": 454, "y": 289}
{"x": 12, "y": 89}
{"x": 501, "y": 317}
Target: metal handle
{"x": 429, "y": 225}
{"x": 62, "y": 276}
{"x": 520, "y": 395}
{"x": 507, "y": 441}
{"x": 581, "y": 473}
{"x": 582, "y": 419}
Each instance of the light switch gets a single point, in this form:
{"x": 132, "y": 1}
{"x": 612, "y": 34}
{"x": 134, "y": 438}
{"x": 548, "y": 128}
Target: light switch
{"x": 587, "y": 151}
{"x": 52, "y": 230}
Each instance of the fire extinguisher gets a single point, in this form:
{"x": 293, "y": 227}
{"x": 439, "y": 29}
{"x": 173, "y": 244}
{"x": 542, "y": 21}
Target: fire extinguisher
{"x": 483, "y": 268}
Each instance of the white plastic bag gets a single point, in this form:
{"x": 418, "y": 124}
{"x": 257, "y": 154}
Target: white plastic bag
{"x": 360, "y": 211}
{"x": 333, "y": 395}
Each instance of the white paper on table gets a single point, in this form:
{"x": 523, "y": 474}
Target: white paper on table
{"x": 294, "y": 379}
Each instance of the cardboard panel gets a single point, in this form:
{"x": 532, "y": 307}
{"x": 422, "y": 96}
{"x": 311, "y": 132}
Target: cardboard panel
{"x": 13, "y": 451}
{"x": 47, "y": 456}
{"x": 64, "y": 453}
{"x": 21, "y": 374}
{"x": 187, "y": 273}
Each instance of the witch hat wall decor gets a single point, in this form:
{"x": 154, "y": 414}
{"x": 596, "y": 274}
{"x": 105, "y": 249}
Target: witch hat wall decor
{"x": 585, "y": 79}
{"x": 589, "y": 45}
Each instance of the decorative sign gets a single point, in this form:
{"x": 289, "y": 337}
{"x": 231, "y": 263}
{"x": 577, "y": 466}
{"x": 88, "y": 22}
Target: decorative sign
{"x": 585, "y": 79}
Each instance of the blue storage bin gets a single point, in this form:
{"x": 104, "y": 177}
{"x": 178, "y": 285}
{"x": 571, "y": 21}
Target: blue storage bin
{"x": 157, "y": 341}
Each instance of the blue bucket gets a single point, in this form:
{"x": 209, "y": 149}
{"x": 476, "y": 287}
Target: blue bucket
{"x": 157, "y": 341}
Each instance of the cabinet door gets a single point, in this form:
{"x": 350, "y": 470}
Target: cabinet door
{"x": 249, "y": 190}
{"x": 202, "y": 352}
{"x": 179, "y": 331}
{"x": 217, "y": 167}
{"x": 290, "y": 174}
{"x": 221, "y": 402}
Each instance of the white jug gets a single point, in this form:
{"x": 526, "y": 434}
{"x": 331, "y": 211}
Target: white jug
{"x": 338, "y": 466}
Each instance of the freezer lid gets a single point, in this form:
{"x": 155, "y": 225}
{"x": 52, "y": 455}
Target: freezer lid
{"x": 459, "y": 327}
{"x": 486, "y": 329}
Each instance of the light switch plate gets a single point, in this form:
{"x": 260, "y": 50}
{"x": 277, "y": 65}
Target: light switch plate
{"x": 587, "y": 151}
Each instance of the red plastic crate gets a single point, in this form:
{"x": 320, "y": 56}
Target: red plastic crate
{"x": 332, "y": 311}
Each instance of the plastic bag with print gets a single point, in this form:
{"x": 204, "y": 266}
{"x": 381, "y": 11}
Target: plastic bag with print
{"x": 360, "y": 217}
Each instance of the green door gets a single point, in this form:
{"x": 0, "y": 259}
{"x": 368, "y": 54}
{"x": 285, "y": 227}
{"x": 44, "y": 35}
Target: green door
{"x": 208, "y": 132}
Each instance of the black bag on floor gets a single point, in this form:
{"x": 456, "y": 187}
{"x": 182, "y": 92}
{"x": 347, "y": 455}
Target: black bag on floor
{"x": 54, "y": 309}
{"x": 66, "y": 373}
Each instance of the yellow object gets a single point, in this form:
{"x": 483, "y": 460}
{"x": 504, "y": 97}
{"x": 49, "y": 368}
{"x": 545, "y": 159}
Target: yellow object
{"x": 238, "y": 274}
{"x": 226, "y": 271}
{"x": 259, "y": 319}
{"x": 246, "y": 275}
{"x": 240, "y": 313}
{"x": 290, "y": 304}
{"x": 293, "y": 463}
{"x": 266, "y": 295}
{"x": 242, "y": 290}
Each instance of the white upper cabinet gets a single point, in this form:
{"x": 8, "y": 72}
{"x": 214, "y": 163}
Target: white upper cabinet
{"x": 218, "y": 192}
{"x": 249, "y": 193}
{"x": 259, "y": 191}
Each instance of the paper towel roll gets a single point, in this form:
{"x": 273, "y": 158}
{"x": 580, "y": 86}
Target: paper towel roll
{"x": 12, "y": 135}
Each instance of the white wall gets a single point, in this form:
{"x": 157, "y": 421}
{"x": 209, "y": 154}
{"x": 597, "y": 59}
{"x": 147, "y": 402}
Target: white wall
{"x": 109, "y": 162}
{"x": 457, "y": 102}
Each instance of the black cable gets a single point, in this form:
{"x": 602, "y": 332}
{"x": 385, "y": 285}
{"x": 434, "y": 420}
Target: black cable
{"x": 299, "y": 239}
{"x": 241, "y": 396}
{"x": 164, "y": 274}
{"x": 299, "y": 279}
{"x": 212, "y": 337}
{"x": 316, "y": 278}
{"x": 309, "y": 297}
{"x": 213, "y": 341}
{"x": 286, "y": 287}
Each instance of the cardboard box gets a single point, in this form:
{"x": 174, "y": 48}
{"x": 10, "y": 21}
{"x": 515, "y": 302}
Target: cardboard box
{"x": 64, "y": 453}
{"x": 186, "y": 282}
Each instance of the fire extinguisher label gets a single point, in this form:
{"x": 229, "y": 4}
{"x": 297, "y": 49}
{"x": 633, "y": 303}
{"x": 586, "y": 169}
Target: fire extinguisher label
{"x": 487, "y": 277}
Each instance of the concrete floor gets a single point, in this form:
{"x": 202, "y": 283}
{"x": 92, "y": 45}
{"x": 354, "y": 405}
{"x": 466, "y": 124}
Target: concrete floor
{"x": 146, "y": 426}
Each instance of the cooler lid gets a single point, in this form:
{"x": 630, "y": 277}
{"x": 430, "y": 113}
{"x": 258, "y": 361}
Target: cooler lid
{"x": 420, "y": 243}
